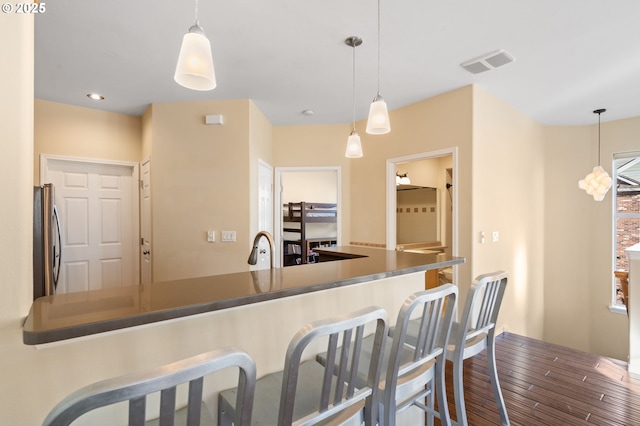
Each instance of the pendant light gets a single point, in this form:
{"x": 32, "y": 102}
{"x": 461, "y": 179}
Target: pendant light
{"x": 194, "y": 69}
{"x": 598, "y": 182}
{"x": 354, "y": 147}
{"x": 378, "y": 122}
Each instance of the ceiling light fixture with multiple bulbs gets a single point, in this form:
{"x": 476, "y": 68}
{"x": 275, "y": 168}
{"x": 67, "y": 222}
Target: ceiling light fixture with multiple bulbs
{"x": 354, "y": 147}
{"x": 598, "y": 182}
{"x": 378, "y": 121}
{"x": 402, "y": 179}
{"x": 194, "y": 69}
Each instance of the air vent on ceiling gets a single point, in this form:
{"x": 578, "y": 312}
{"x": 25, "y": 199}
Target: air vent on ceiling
{"x": 488, "y": 62}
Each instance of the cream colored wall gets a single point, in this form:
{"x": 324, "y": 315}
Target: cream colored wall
{"x": 438, "y": 123}
{"x": 16, "y": 184}
{"x": 567, "y": 241}
{"x": 508, "y": 197}
{"x": 433, "y": 124}
{"x": 319, "y": 186}
{"x": 147, "y": 134}
{"x": 423, "y": 172}
{"x": 261, "y": 149}
{"x": 579, "y": 266}
{"x": 62, "y": 129}
{"x": 200, "y": 180}
{"x": 314, "y": 146}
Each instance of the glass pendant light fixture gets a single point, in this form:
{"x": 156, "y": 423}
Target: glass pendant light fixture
{"x": 378, "y": 122}
{"x": 598, "y": 182}
{"x": 354, "y": 147}
{"x": 194, "y": 69}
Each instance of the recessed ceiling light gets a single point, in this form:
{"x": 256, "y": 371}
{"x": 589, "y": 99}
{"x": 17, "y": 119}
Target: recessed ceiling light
{"x": 307, "y": 112}
{"x": 95, "y": 96}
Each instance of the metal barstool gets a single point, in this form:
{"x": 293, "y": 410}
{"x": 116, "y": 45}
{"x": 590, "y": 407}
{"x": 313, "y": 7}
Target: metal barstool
{"x": 306, "y": 392}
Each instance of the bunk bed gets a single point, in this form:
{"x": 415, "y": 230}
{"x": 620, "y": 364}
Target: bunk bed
{"x": 298, "y": 220}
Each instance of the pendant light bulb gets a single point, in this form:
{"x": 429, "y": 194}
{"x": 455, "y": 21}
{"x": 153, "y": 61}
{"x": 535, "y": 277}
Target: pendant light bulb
{"x": 378, "y": 122}
{"x": 598, "y": 182}
{"x": 194, "y": 69}
{"x": 354, "y": 146}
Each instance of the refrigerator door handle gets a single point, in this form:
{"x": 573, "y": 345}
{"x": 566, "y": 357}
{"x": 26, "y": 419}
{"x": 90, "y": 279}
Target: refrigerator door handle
{"x": 57, "y": 257}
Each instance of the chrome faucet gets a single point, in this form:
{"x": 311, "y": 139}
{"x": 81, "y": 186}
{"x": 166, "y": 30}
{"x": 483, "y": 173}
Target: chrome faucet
{"x": 253, "y": 257}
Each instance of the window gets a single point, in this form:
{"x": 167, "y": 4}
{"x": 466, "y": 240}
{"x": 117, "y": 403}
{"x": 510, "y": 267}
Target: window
{"x": 626, "y": 216}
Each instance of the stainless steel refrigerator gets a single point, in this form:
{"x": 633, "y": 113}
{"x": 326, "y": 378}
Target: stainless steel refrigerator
{"x": 47, "y": 242}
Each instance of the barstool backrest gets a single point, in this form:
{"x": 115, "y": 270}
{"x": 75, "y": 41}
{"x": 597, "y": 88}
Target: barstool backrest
{"x": 481, "y": 308}
{"x": 428, "y": 340}
{"x": 344, "y": 352}
{"x": 165, "y": 379}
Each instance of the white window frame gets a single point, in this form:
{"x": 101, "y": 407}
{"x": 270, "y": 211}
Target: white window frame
{"x": 616, "y": 307}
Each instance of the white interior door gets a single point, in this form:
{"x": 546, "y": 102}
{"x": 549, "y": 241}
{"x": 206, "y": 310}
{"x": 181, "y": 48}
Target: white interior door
{"x": 265, "y": 212}
{"x": 99, "y": 218}
{"x": 145, "y": 222}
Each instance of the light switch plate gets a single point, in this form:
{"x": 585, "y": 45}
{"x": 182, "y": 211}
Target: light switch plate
{"x": 228, "y": 236}
{"x": 211, "y": 236}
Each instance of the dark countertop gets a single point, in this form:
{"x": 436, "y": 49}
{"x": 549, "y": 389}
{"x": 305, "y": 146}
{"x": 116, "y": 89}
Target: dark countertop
{"x": 65, "y": 316}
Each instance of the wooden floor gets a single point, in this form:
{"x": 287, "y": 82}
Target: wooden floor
{"x": 545, "y": 384}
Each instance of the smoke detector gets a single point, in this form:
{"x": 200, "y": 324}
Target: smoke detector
{"x": 488, "y": 61}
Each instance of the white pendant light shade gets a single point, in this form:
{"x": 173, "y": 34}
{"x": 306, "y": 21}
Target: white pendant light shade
{"x": 378, "y": 122}
{"x": 195, "y": 62}
{"x": 596, "y": 183}
{"x": 354, "y": 147}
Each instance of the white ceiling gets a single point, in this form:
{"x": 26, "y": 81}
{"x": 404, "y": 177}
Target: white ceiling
{"x": 572, "y": 56}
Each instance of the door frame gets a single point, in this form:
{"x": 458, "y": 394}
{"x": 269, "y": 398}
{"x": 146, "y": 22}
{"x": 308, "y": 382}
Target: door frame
{"x": 46, "y": 159}
{"x": 277, "y": 203}
{"x": 148, "y": 218}
{"x": 263, "y": 244}
{"x": 391, "y": 194}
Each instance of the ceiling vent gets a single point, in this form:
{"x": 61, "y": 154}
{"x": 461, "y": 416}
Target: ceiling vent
{"x": 488, "y": 62}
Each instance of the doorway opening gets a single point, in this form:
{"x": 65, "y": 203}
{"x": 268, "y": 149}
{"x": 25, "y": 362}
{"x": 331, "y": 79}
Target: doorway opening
{"x": 422, "y": 212}
{"x": 317, "y": 190}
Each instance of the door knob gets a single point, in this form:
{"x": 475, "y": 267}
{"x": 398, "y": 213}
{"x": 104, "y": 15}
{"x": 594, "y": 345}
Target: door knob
{"x": 146, "y": 252}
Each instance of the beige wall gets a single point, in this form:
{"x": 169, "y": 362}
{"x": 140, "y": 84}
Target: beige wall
{"x": 508, "y": 197}
{"x": 493, "y": 141}
{"x": 260, "y": 149}
{"x": 434, "y": 124}
{"x": 578, "y": 269}
{"x": 428, "y": 172}
{"x": 199, "y": 181}
{"x": 16, "y": 187}
{"x": 61, "y": 129}
{"x": 147, "y": 134}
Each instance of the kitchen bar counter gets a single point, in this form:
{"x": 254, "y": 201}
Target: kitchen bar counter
{"x": 66, "y": 316}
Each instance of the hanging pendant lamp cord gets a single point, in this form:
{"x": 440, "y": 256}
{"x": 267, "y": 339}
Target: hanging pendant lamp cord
{"x": 599, "y": 138}
{"x": 378, "y": 47}
{"x": 354, "y": 87}
{"x": 197, "y": 13}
